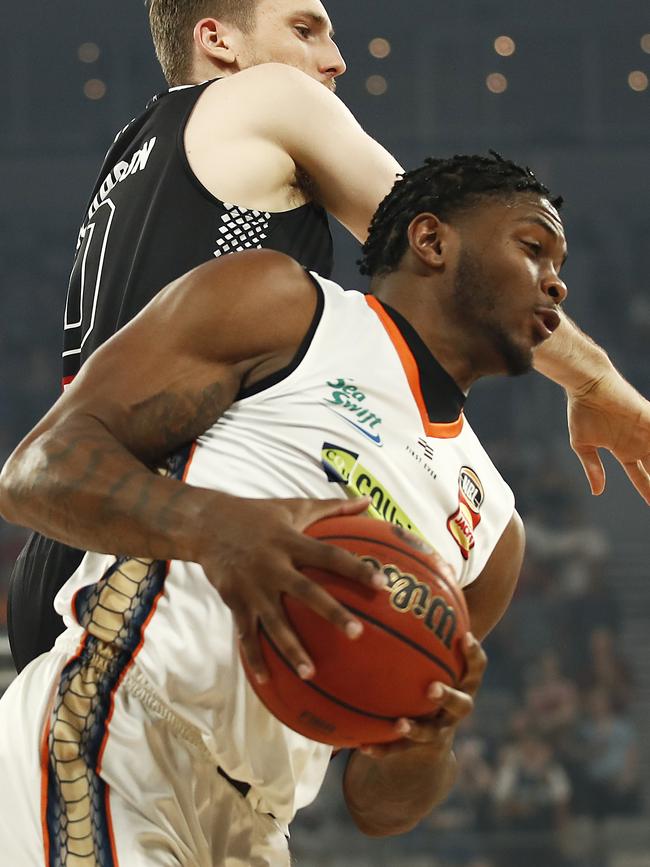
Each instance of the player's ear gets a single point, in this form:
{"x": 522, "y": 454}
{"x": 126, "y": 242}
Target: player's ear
{"x": 430, "y": 239}
{"x": 215, "y": 41}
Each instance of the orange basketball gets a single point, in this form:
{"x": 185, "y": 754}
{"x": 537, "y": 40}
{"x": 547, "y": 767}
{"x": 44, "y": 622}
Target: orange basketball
{"x": 412, "y": 637}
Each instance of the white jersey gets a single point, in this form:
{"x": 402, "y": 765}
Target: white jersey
{"x": 363, "y": 410}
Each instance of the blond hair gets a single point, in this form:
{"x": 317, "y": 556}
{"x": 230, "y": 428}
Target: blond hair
{"x": 172, "y": 25}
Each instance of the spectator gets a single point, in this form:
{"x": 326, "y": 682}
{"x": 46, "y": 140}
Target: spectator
{"x": 532, "y": 793}
{"x": 610, "y": 757}
{"x": 607, "y": 669}
{"x": 552, "y": 700}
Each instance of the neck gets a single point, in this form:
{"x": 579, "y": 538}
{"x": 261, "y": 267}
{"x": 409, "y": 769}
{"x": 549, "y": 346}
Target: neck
{"x": 430, "y": 310}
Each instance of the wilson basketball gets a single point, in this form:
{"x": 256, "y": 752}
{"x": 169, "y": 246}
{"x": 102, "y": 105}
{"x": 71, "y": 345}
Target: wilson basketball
{"x": 412, "y": 636}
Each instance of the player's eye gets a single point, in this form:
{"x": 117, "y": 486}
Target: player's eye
{"x": 534, "y": 246}
{"x": 303, "y": 30}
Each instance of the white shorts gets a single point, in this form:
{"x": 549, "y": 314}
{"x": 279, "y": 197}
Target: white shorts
{"x": 144, "y": 794}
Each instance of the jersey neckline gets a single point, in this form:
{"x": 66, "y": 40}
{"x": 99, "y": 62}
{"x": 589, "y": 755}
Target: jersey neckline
{"x": 439, "y": 399}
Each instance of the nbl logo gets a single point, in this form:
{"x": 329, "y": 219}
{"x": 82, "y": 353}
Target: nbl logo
{"x": 466, "y": 518}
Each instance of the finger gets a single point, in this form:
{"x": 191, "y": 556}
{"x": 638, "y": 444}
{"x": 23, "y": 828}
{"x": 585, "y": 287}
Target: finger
{"x": 331, "y": 558}
{"x": 640, "y": 478}
{"x": 476, "y": 663}
{"x": 311, "y": 511}
{"x": 249, "y": 641}
{"x": 380, "y": 751}
{"x": 451, "y": 704}
{"x": 593, "y": 467}
{"x": 324, "y": 604}
{"x": 278, "y": 631}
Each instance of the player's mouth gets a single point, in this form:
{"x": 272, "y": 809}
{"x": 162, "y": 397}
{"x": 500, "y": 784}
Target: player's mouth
{"x": 547, "y": 319}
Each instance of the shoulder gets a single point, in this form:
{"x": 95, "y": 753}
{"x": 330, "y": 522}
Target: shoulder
{"x": 264, "y": 76}
{"x": 250, "y": 275}
{"x": 253, "y": 301}
{"x": 268, "y": 88}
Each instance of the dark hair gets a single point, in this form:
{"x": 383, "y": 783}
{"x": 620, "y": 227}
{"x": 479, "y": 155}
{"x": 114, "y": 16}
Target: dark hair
{"x": 444, "y": 188}
{"x": 172, "y": 24}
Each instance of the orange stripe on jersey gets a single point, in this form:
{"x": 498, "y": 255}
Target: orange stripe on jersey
{"x": 45, "y": 779}
{"x": 109, "y": 822}
{"x": 439, "y": 431}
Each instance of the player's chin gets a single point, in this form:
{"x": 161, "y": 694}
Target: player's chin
{"x": 517, "y": 356}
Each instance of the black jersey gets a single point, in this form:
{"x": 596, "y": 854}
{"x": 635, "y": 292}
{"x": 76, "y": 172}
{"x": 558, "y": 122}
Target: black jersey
{"x": 149, "y": 220}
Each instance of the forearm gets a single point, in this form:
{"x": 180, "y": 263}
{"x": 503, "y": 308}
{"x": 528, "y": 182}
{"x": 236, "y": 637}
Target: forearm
{"x": 391, "y": 795}
{"x": 87, "y": 490}
{"x": 571, "y": 358}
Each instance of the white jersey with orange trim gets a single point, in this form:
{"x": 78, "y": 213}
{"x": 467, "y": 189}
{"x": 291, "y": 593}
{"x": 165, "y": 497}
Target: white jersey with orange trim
{"x": 364, "y": 409}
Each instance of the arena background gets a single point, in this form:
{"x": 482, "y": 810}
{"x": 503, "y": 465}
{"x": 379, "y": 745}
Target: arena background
{"x": 554, "y": 763}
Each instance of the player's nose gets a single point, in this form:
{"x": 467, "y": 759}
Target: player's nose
{"x": 555, "y": 288}
{"x": 332, "y": 63}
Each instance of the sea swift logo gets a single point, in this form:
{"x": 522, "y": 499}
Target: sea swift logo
{"x": 466, "y": 519}
{"x": 348, "y": 402}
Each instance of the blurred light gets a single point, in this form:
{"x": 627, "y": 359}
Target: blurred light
{"x": 645, "y": 42}
{"x": 505, "y": 46}
{"x": 496, "y": 83}
{"x": 376, "y": 85}
{"x": 95, "y": 89}
{"x": 379, "y": 48}
{"x": 638, "y": 80}
{"x": 88, "y": 52}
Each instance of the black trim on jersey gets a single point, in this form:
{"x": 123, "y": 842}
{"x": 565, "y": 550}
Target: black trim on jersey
{"x": 443, "y": 398}
{"x": 283, "y": 373}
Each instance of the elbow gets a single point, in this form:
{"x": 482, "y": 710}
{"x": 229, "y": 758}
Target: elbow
{"x": 16, "y": 480}
{"x": 8, "y": 493}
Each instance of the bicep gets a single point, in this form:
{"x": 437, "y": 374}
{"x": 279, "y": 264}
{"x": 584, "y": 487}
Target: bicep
{"x": 489, "y": 596}
{"x": 169, "y": 374}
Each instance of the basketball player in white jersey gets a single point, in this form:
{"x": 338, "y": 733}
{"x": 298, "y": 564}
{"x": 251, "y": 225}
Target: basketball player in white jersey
{"x": 242, "y": 162}
{"x": 137, "y": 739}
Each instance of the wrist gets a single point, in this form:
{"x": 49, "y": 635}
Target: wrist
{"x": 572, "y": 359}
{"x": 205, "y": 523}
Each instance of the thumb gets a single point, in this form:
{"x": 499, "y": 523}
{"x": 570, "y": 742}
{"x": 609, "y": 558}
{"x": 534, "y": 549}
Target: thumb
{"x": 593, "y": 467}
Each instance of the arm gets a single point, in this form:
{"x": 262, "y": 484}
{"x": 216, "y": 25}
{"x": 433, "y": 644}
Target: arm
{"x": 604, "y": 411}
{"x": 278, "y": 119}
{"x": 390, "y": 788}
{"x": 83, "y": 475}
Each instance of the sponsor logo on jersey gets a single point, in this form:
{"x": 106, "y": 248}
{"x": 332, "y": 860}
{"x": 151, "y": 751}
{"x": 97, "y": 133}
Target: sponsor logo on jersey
{"x": 347, "y": 401}
{"x": 466, "y": 518}
{"x": 410, "y": 596}
{"x": 423, "y": 454}
{"x": 426, "y": 448}
{"x": 342, "y": 467}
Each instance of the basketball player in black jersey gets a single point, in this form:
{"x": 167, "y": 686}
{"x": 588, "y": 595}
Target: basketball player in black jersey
{"x": 251, "y": 160}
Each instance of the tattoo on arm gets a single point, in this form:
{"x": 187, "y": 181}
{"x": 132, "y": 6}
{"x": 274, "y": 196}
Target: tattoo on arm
{"x": 171, "y": 419}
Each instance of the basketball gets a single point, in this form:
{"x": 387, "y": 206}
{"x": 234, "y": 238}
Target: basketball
{"x": 412, "y": 636}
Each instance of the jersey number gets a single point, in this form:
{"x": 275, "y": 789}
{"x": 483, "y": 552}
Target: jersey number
{"x": 85, "y": 284}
